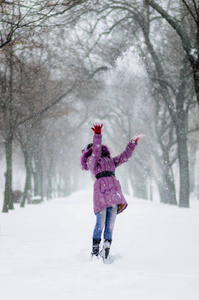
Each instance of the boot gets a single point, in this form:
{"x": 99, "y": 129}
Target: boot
{"x": 95, "y": 250}
{"x": 106, "y": 249}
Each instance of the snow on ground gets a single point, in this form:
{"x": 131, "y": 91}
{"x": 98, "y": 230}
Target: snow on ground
{"x": 45, "y": 252}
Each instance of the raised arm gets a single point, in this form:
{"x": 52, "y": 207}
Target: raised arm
{"x": 127, "y": 153}
{"x": 96, "y": 148}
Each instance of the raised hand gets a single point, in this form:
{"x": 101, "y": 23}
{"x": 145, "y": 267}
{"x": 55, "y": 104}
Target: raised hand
{"x": 97, "y": 128}
{"x": 136, "y": 137}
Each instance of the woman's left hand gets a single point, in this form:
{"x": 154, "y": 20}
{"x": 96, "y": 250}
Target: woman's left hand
{"x": 136, "y": 137}
{"x": 121, "y": 207}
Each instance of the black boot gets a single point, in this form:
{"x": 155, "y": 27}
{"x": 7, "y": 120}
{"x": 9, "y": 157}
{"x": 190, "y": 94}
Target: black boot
{"x": 106, "y": 249}
{"x": 95, "y": 250}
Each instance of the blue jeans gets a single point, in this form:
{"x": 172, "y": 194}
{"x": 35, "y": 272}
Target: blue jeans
{"x": 105, "y": 220}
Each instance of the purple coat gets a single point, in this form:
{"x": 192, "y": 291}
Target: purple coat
{"x": 107, "y": 190}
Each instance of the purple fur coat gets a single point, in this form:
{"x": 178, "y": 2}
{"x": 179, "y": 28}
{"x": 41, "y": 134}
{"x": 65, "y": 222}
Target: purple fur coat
{"x": 107, "y": 190}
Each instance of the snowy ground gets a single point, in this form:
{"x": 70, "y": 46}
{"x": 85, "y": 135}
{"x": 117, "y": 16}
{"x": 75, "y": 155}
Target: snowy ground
{"x": 45, "y": 252}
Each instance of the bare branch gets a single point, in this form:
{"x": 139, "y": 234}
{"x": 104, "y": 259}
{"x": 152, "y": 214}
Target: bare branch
{"x": 174, "y": 23}
{"x": 190, "y": 11}
{"x": 49, "y": 106}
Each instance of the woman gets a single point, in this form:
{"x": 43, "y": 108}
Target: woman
{"x": 108, "y": 199}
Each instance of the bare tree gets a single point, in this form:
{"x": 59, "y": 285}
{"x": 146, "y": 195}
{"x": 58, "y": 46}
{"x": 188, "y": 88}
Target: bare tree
{"x": 21, "y": 19}
{"x": 189, "y": 41}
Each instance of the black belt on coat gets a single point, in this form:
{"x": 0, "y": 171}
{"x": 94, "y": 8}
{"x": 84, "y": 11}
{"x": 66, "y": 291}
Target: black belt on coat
{"x": 105, "y": 174}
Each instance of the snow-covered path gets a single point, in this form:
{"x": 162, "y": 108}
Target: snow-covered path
{"x": 45, "y": 252}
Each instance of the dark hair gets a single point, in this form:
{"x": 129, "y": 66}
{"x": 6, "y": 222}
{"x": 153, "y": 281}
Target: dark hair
{"x": 105, "y": 151}
{"x": 87, "y": 147}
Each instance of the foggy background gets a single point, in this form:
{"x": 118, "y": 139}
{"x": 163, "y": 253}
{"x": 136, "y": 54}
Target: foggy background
{"x": 67, "y": 64}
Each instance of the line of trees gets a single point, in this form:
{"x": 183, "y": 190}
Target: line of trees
{"x": 55, "y": 57}
{"x": 28, "y": 89}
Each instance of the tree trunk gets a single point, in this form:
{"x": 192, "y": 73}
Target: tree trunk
{"x": 183, "y": 166}
{"x": 138, "y": 182}
{"x": 38, "y": 179}
{"x": 166, "y": 189}
{"x": 27, "y": 187}
{"x": 124, "y": 179}
{"x": 49, "y": 187}
{"x": 8, "y": 203}
{"x": 38, "y": 170}
{"x": 66, "y": 185}
{"x": 192, "y": 165}
{"x": 163, "y": 177}
{"x": 195, "y": 67}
